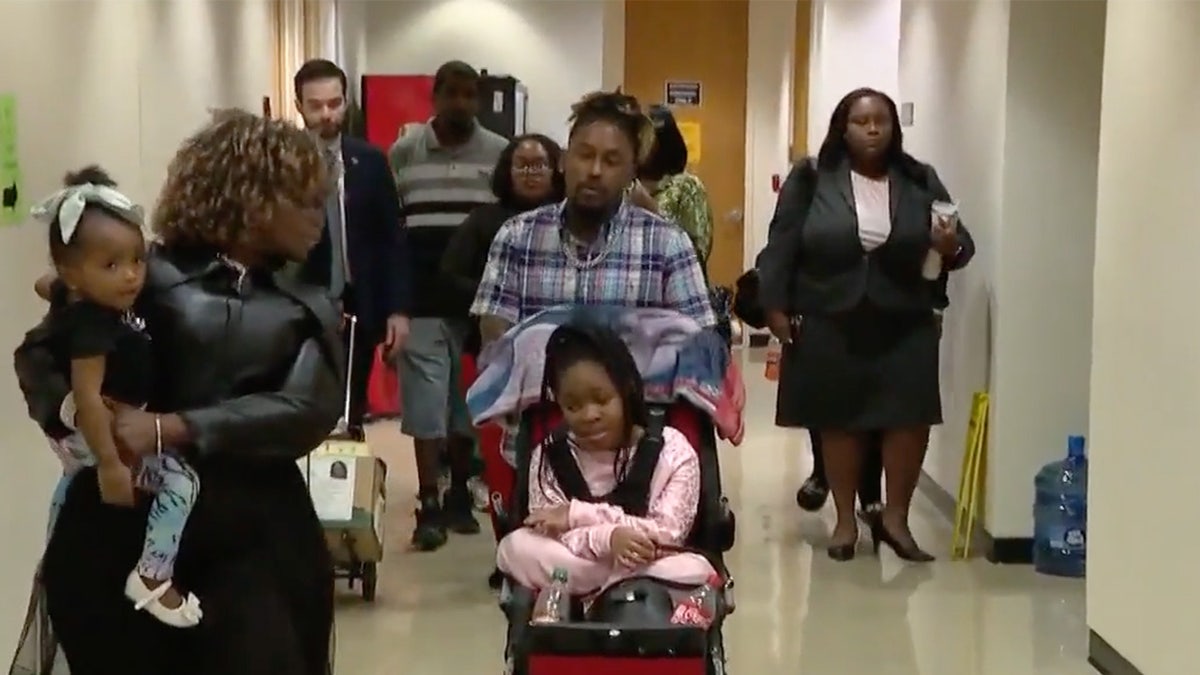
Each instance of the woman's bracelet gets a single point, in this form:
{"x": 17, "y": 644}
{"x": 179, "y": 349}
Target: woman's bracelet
{"x": 158, "y": 440}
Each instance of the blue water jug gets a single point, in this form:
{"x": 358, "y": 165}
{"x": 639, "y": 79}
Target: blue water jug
{"x": 1060, "y": 514}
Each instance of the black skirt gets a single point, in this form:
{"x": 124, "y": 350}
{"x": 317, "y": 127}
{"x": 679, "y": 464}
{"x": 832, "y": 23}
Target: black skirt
{"x": 862, "y": 370}
{"x": 253, "y": 553}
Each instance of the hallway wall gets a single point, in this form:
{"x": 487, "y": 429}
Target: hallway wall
{"x": 1018, "y": 151}
{"x": 855, "y": 43}
{"x": 1145, "y": 387}
{"x": 772, "y": 27}
{"x": 959, "y": 128}
{"x": 1043, "y": 285}
{"x": 555, "y": 48}
{"x": 118, "y": 82}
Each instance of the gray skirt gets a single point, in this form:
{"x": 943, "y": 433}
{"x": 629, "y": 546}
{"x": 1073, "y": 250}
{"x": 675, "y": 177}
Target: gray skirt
{"x": 862, "y": 370}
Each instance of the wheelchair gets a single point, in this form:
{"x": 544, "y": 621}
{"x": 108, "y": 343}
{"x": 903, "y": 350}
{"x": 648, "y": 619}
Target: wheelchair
{"x": 583, "y": 647}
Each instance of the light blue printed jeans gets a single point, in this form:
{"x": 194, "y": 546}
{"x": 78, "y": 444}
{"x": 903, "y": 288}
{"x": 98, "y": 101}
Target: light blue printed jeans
{"x": 174, "y": 485}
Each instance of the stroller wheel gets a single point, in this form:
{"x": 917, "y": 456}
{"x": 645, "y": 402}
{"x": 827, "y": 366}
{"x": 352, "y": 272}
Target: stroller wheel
{"x": 812, "y": 495}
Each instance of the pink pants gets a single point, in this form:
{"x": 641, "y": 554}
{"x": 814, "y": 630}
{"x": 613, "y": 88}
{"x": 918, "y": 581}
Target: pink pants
{"x": 530, "y": 559}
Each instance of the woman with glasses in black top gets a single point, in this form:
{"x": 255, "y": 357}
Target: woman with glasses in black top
{"x": 526, "y": 176}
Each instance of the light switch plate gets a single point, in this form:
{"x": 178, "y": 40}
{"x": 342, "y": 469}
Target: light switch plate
{"x": 906, "y": 114}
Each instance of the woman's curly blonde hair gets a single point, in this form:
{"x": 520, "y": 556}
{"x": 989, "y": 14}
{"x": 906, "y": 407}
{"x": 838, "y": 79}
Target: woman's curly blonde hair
{"x": 228, "y": 179}
{"x": 620, "y": 109}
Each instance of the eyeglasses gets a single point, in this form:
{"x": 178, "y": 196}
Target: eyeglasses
{"x": 531, "y": 169}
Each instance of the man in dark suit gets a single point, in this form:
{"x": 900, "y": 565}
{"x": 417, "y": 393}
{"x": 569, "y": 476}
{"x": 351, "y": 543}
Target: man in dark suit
{"x": 362, "y": 258}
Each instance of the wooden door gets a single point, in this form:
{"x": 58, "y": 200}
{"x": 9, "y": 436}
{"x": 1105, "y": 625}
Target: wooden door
{"x": 704, "y": 41}
{"x": 800, "y": 66}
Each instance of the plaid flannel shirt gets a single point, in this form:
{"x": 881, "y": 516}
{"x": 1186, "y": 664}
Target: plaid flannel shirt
{"x": 640, "y": 260}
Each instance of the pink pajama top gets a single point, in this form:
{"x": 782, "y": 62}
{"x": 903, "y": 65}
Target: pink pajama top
{"x": 674, "y": 499}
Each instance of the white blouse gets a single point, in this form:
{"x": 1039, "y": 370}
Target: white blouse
{"x": 873, "y": 203}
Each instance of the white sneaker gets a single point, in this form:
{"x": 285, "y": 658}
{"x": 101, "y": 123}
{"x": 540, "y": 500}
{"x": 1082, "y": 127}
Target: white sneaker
{"x": 185, "y": 615}
{"x": 480, "y": 494}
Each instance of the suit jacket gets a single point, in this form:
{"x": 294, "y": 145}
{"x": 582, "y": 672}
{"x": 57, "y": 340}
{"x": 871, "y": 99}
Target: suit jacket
{"x": 376, "y": 239}
{"x": 814, "y": 262}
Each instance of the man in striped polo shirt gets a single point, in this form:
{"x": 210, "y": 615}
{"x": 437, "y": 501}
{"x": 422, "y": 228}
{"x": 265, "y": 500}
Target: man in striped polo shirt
{"x": 443, "y": 170}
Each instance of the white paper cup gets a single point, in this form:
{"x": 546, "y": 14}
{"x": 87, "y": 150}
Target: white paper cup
{"x": 944, "y": 212}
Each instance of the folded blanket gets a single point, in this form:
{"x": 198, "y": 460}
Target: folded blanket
{"x": 677, "y": 358}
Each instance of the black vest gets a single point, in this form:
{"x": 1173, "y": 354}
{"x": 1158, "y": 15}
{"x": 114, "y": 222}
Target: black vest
{"x": 632, "y": 492}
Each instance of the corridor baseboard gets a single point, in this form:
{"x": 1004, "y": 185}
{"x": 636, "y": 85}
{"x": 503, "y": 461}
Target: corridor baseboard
{"x": 1002, "y": 551}
{"x": 942, "y": 500}
{"x": 1106, "y": 659}
{"x": 1011, "y": 550}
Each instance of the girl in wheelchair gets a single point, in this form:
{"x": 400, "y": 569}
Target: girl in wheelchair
{"x": 615, "y": 494}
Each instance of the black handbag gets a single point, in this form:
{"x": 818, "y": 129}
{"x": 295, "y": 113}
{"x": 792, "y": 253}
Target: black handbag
{"x": 639, "y": 602}
{"x": 721, "y": 299}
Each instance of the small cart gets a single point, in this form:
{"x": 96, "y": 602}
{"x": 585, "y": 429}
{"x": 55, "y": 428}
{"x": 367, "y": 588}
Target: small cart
{"x": 348, "y": 565}
{"x": 356, "y": 543}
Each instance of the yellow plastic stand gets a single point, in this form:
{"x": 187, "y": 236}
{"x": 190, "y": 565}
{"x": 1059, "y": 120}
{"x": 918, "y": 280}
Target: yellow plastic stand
{"x": 971, "y": 480}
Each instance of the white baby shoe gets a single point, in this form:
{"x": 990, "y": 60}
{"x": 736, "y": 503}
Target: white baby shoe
{"x": 185, "y": 615}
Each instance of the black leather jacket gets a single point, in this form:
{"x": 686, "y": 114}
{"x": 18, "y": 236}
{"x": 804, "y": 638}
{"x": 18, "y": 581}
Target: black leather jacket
{"x": 251, "y": 361}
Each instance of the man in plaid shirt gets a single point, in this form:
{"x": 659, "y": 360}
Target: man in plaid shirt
{"x": 596, "y": 247}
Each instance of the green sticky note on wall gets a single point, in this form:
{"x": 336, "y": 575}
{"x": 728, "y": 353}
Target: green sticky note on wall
{"x": 12, "y": 199}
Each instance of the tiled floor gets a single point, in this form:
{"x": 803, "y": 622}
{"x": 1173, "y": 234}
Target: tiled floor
{"x": 798, "y": 612}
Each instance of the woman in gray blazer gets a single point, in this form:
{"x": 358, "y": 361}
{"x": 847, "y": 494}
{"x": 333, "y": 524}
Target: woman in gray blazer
{"x": 843, "y": 287}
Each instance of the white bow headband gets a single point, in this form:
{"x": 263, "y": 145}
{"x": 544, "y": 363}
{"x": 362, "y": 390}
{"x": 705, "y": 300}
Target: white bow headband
{"x": 69, "y": 203}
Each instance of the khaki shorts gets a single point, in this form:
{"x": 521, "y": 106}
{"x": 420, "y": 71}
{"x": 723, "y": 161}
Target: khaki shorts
{"x": 431, "y": 396}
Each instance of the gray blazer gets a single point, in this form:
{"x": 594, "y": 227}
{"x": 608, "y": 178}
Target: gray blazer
{"x": 814, "y": 262}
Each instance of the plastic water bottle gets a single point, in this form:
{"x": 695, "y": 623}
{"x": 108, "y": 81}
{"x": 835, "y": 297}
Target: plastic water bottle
{"x": 700, "y": 607}
{"x": 553, "y": 602}
{"x": 774, "y": 356}
{"x": 1060, "y": 514}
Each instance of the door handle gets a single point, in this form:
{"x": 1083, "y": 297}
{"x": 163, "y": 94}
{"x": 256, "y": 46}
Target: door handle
{"x": 734, "y": 216}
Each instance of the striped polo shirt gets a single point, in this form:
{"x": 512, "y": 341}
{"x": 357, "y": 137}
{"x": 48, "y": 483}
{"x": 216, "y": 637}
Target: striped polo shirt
{"x": 438, "y": 186}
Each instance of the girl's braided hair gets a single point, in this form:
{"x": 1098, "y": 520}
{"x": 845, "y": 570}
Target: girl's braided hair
{"x": 582, "y": 340}
{"x": 621, "y": 110}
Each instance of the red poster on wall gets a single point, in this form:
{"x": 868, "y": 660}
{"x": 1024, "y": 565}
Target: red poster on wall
{"x": 391, "y": 101}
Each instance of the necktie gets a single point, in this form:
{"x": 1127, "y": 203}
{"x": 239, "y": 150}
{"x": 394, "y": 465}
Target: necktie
{"x": 338, "y": 275}
{"x": 333, "y": 163}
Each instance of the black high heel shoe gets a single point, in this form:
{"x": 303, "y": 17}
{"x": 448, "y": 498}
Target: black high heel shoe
{"x": 880, "y": 534}
{"x": 812, "y": 494}
{"x": 844, "y": 552}
{"x": 869, "y": 513}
